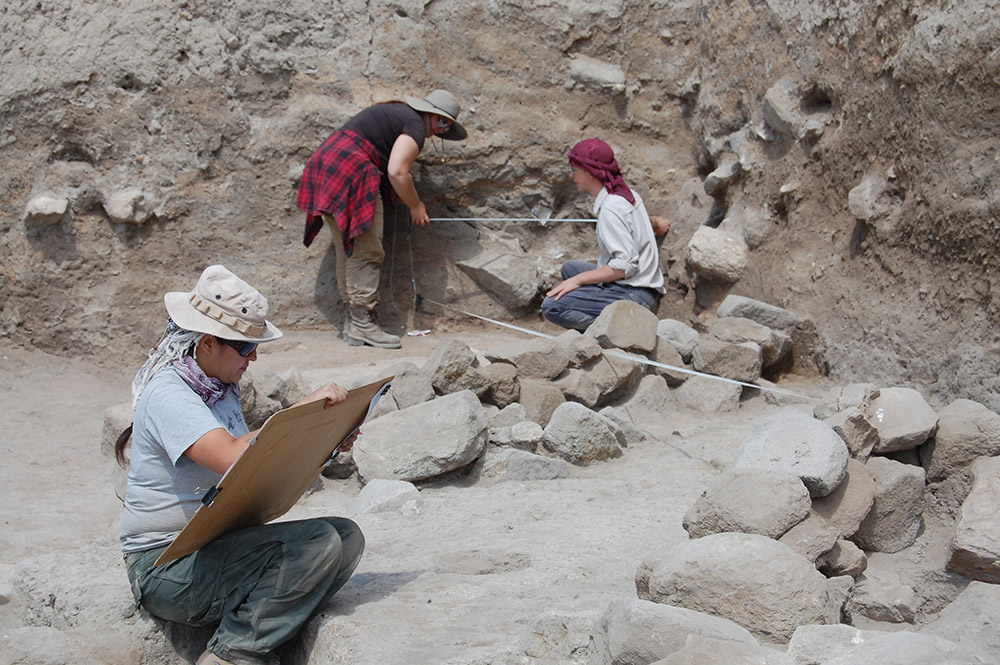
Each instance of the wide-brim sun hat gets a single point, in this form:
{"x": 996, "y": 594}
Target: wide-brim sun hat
{"x": 444, "y": 104}
{"x": 222, "y": 305}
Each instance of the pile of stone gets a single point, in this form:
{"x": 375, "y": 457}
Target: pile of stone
{"x": 789, "y": 546}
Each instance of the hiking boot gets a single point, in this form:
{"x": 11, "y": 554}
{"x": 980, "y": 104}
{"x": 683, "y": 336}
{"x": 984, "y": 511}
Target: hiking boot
{"x": 364, "y": 329}
{"x": 209, "y": 658}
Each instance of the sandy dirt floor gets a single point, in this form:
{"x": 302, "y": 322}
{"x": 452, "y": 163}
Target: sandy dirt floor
{"x": 461, "y": 572}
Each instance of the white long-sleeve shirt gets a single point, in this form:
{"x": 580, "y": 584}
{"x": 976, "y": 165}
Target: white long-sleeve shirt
{"x": 626, "y": 241}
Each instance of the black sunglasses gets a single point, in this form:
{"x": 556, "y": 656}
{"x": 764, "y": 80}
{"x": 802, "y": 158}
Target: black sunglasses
{"x": 242, "y": 348}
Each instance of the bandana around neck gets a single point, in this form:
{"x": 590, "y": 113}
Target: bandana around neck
{"x": 211, "y": 390}
{"x": 598, "y": 159}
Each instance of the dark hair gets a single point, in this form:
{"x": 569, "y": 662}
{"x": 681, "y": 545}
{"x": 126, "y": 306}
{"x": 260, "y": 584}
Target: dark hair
{"x": 120, "y": 444}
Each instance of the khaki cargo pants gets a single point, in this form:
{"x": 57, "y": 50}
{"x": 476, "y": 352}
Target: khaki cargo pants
{"x": 358, "y": 275}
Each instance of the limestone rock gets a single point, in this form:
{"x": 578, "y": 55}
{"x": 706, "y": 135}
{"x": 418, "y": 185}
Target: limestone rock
{"x": 842, "y": 398}
{"x": 579, "y": 435}
{"x": 966, "y": 430}
{"x": 399, "y": 445}
{"x": 130, "y": 206}
{"x": 513, "y": 280}
{"x": 580, "y": 349}
{"x": 724, "y": 175}
{"x": 577, "y": 386}
{"x": 702, "y": 650}
{"x": 625, "y": 325}
{"x": 894, "y": 520}
{"x": 708, "y": 395}
{"x": 812, "y": 537}
{"x": 631, "y": 632}
{"x": 799, "y": 444}
{"x": 844, "y": 558}
{"x": 740, "y": 362}
{"x": 540, "y": 399}
{"x": 976, "y": 545}
{"x": 853, "y": 427}
{"x": 717, "y": 256}
{"x": 562, "y": 637}
{"x": 498, "y": 466}
{"x": 765, "y": 502}
{"x": 753, "y": 580}
{"x": 972, "y": 620}
{"x": 45, "y": 209}
{"x": 882, "y": 594}
{"x": 666, "y": 354}
{"x": 504, "y": 388}
{"x": 848, "y": 505}
{"x": 774, "y": 344}
{"x": 453, "y": 367}
{"x": 773, "y": 317}
{"x": 903, "y": 419}
{"x": 379, "y": 496}
{"x": 535, "y": 358}
{"x": 680, "y": 335}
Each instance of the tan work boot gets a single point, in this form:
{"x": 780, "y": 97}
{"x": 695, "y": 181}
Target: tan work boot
{"x": 364, "y": 329}
{"x": 209, "y": 658}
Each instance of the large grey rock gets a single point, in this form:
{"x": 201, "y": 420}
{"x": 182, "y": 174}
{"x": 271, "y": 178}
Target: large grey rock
{"x": 614, "y": 376}
{"x": 813, "y": 537}
{"x": 504, "y": 388}
{"x": 906, "y": 648}
{"x": 45, "y": 209}
{"x": 966, "y": 430}
{"x": 379, "y": 496}
{"x": 580, "y": 349}
{"x": 753, "y": 580}
{"x": 625, "y": 325}
{"x": 560, "y": 637}
{"x": 858, "y": 433}
{"x": 846, "y": 645}
{"x": 903, "y": 419}
{"x": 130, "y": 206}
{"x": 534, "y": 358}
{"x": 702, "y": 650}
{"x": 724, "y": 175}
{"x": 972, "y": 620}
{"x": 670, "y": 364}
{"x": 453, "y": 367}
{"x": 578, "y": 386}
{"x": 763, "y": 313}
{"x": 976, "y": 545}
{"x": 717, "y": 256}
{"x": 707, "y": 395}
{"x": 540, "y": 399}
{"x": 513, "y": 280}
{"x": 844, "y": 558}
{"x": 400, "y": 445}
{"x": 894, "y": 520}
{"x": 774, "y": 344}
{"x": 799, "y": 444}
{"x": 762, "y": 501}
{"x": 498, "y": 466}
{"x": 841, "y": 398}
{"x": 737, "y": 361}
{"x": 580, "y": 436}
{"x": 639, "y": 632}
{"x": 848, "y": 505}
{"x": 680, "y": 335}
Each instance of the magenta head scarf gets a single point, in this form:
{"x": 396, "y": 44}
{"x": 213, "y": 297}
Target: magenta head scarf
{"x": 598, "y": 159}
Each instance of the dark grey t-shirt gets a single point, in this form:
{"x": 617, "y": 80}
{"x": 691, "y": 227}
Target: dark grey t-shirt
{"x": 164, "y": 487}
{"x": 382, "y": 124}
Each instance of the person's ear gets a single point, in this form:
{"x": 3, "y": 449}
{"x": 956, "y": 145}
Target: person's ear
{"x": 208, "y": 345}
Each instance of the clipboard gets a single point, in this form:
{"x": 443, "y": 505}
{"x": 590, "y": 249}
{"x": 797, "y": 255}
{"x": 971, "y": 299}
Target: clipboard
{"x": 278, "y": 466}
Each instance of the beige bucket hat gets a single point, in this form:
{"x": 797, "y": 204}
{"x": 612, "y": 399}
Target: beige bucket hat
{"x": 223, "y": 305}
{"x": 444, "y": 104}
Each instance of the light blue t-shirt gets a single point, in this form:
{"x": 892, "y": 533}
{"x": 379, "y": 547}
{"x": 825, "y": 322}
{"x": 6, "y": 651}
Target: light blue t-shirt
{"x": 164, "y": 487}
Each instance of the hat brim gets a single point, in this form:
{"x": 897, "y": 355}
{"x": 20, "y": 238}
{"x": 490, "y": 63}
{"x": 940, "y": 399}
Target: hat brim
{"x": 185, "y": 315}
{"x": 455, "y": 133}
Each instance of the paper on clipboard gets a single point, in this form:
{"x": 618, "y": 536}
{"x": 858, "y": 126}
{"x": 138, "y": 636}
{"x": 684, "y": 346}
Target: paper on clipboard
{"x": 289, "y": 453}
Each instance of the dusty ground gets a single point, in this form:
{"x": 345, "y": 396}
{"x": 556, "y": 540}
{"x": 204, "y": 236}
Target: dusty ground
{"x": 457, "y": 578}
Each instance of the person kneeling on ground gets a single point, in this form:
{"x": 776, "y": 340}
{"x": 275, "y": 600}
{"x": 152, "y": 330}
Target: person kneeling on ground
{"x": 262, "y": 583}
{"x": 628, "y": 267}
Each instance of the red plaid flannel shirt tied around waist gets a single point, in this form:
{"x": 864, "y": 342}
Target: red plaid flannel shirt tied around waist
{"x": 342, "y": 180}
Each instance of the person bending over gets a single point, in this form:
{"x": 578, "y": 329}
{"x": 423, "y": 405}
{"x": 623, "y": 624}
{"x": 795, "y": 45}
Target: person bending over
{"x": 628, "y": 266}
{"x": 344, "y": 183}
{"x": 261, "y": 583}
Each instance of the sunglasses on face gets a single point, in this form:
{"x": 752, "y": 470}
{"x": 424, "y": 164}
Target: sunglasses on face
{"x": 443, "y": 123}
{"x": 242, "y": 348}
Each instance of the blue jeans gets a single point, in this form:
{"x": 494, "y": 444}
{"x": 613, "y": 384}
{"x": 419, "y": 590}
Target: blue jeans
{"x": 580, "y": 307}
{"x": 261, "y": 583}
